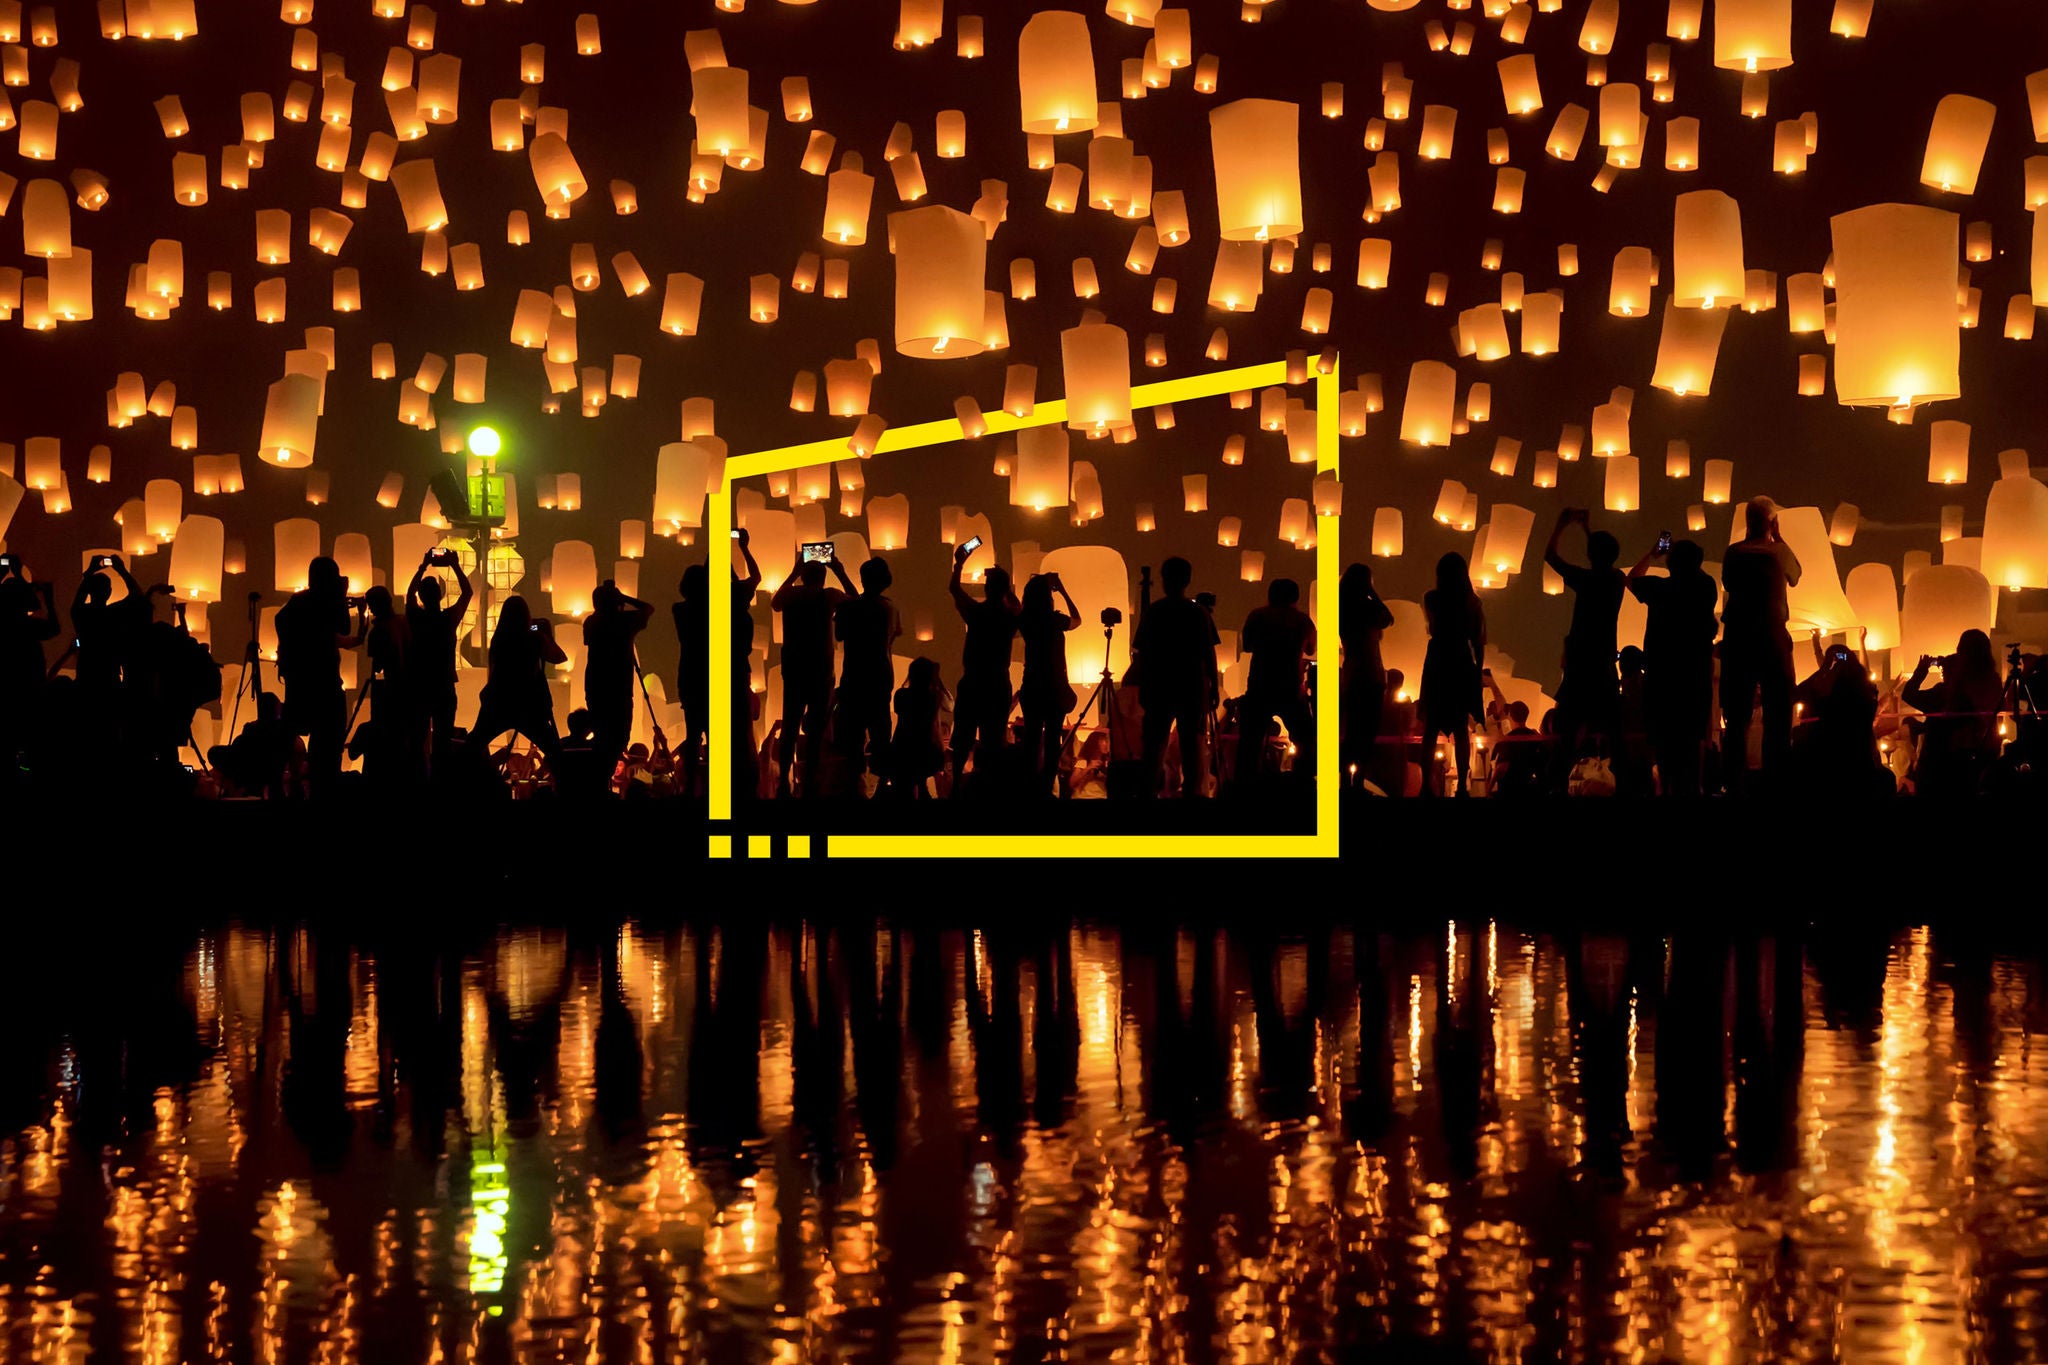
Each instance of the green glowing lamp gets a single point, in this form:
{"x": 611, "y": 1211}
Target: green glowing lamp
{"x": 484, "y": 443}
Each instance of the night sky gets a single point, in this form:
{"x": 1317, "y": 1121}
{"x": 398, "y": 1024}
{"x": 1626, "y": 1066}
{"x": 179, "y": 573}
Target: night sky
{"x": 628, "y": 119}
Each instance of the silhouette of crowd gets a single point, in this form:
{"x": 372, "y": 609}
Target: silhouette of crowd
{"x": 1704, "y": 705}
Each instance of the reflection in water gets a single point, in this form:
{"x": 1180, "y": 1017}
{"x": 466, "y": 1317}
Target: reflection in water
{"x": 861, "y": 1141}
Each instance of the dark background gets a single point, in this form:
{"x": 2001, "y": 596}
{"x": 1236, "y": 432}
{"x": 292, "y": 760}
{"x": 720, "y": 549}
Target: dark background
{"x": 629, "y": 120}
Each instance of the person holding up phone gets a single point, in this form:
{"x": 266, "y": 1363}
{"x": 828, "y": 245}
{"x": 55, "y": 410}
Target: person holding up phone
{"x": 867, "y": 625}
{"x": 1046, "y": 696}
{"x": 1589, "y": 696}
{"x": 1678, "y": 654}
{"x": 431, "y": 659}
{"x": 981, "y": 708}
{"x": 608, "y": 672}
{"x": 807, "y": 606}
{"x": 1756, "y": 647}
{"x": 516, "y": 695}
{"x": 106, "y": 631}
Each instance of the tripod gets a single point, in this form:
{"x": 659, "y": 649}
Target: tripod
{"x": 252, "y": 666}
{"x": 1103, "y": 697}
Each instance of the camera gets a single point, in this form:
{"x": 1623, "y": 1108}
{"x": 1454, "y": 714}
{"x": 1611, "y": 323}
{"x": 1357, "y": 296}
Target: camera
{"x": 1112, "y": 616}
{"x": 1206, "y": 601}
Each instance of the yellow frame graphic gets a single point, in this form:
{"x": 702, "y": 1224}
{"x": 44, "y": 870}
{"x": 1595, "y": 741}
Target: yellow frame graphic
{"x": 718, "y": 519}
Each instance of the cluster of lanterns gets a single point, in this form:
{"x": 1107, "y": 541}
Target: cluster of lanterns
{"x": 1884, "y": 311}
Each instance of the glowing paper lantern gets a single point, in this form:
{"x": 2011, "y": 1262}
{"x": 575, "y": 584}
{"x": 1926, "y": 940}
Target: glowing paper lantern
{"x": 1520, "y": 90}
{"x": 1623, "y": 474}
{"x": 1842, "y": 525}
{"x": 1426, "y": 410}
{"x": 291, "y": 417}
{"x": 297, "y": 544}
{"x": 1873, "y": 595}
{"x": 1056, "y": 73}
{"x": 419, "y": 195}
{"x": 1255, "y": 148}
{"x": 1687, "y": 348}
{"x": 1097, "y": 579}
{"x": 1752, "y": 35}
{"x": 684, "y": 471}
{"x": 941, "y": 262}
{"x": 1955, "y": 143}
{"x": 1041, "y": 478}
{"x": 2015, "y": 553}
{"x": 1896, "y": 329}
{"x": 1718, "y": 477}
{"x": 1096, "y": 362}
{"x": 1941, "y": 602}
{"x": 1706, "y": 254}
{"x": 1948, "y": 452}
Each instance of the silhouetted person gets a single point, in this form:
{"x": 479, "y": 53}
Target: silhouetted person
{"x": 981, "y": 708}
{"x": 1517, "y": 753}
{"x": 1756, "y": 648}
{"x": 807, "y": 608}
{"x": 394, "y": 748}
{"x": 609, "y": 665}
{"x": 1450, "y": 667}
{"x": 1176, "y": 645}
{"x": 867, "y": 626}
{"x": 1587, "y": 696}
{"x": 312, "y": 630}
{"x": 1280, "y": 638}
{"x": 915, "y": 752}
{"x": 584, "y": 770}
{"x": 172, "y": 675}
{"x": 107, "y": 632}
{"x": 1960, "y": 738}
{"x": 1837, "y": 744}
{"x": 28, "y": 617}
{"x": 693, "y": 682}
{"x": 746, "y": 756}
{"x": 1398, "y": 729}
{"x": 431, "y": 658}
{"x": 516, "y": 695}
{"x": 1046, "y": 696}
{"x": 1678, "y": 650}
{"x": 1362, "y": 619}
{"x": 1630, "y": 745}
{"x": 258, "y": 761}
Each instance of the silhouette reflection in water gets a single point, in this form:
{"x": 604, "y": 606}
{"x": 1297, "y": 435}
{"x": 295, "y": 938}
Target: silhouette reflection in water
{"x": 869, "y": 1141}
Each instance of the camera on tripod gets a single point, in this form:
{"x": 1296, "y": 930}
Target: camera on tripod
{"x": 1112, "y": 616}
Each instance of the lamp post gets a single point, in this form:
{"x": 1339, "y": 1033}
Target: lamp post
{"x": 486, "y": 514}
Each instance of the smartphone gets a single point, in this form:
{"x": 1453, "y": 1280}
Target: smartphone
{"x": 972, "y": 545}
{"x": 1664, "y": 543}
{"x": 535, "y": 627}
{"x": 818, "y": 551}
{"x": 735, "y": 535}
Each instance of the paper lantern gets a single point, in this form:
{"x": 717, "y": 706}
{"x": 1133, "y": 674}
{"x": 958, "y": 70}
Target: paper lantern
{"x": 1254, "y": 144}
{"x": 1426, "y": 409}
{"x": 1521, "y": 91}
{"x": 1238, "y": 277}
{"x": 2019, "y": 318}
{"x": 1851, "y": 18}
{"x": 1567, "y": 132}
{"x": 419, "y": 195}
{"x": 1041, "y": 478}
{"x": 1623, "y": 473}
{"x": 45, "y": 220}
{"x": 296, "y": 541}
{"x": 1955, "y": 143}
{"x": 1951, "y": 523}
{"x": 1383, "y": 182}
{"x": 1896, "y": 335}
{"x": 1687, "y": 348}
{"x": 1842, "y": 524}
{"x": 196, "y": 555}
{"x": 1056, "y": 73}
{"x": 1628, "y": 293}
{"x": 1718, "y": 477}
{"x": 1450, "y": 502}
{"x": 941, "y": 262}
{"x": 1948, "y": 454}
{"x": 1752, "y": 35}
{"x": 1485, "y": 330}
{"x": 683, "y": 472}
{"x": 291, "y": 417}
{"x": 1610, "y": 429}
{"x": 575, "y": 578}
{"x": 1439, "y": 130}
{"x": 1873, "y": 595}
{"x": 848, "y": 195}
{"x": 1194, "y": 492}
{"x": 1544, "y": 473}
{"x": 1096, "y": 363}
{"x": 1940, "y": 603}
{"x": 681, "y": 301}
{"x": 1097, "y": 579}
{"x": 1542, "y": 321}
{"x": 2015, "y": 553}
{"x": 1252, "y": 566}
{"x": 1706, "y": 256}
{"x": 1621, "y": 115}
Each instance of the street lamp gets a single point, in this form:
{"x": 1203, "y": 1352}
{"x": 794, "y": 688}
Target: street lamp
{"x": 484, "y": 443}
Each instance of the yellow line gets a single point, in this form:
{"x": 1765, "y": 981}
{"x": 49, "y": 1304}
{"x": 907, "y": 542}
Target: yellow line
{"x": 721, "y": 723}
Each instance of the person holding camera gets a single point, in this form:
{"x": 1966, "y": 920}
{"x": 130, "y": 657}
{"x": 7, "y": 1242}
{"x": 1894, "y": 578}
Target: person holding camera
{"x": 394, "y": 748}
{"x": 807, "y": 607}
{"x": 1589, "y": 695}
{"x": 609, "y": 661}
{"x": 435, "y": 629}
{"x": 28, "y": 617}
{"x": 312, "y": 630}
{"x": 1678, "y": 649}
{"x": 867, "y": 625}
{"x": 1176, "y": 644}
{"x": 516, "y": 695}
{"x": 1046, "y": 696}
{"x": 1960, "y": 741}
{"x": 106, "y": 631}
{"x": 1756, "y": 646}
{"x": 981, "y": 708}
